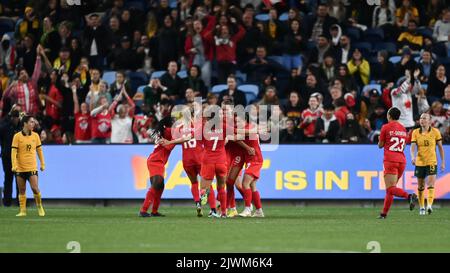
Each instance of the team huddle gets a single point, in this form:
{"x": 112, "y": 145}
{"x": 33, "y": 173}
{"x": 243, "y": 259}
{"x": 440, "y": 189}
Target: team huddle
{"x": 217, "y": 146}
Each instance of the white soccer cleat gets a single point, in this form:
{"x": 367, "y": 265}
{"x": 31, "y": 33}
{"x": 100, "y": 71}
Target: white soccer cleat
{"x": 246, "y": 213}
{"x": 213, "y": 215}
{"x": 422, "y": 211}
{"x": 258, "y": 213}
{"x": 429, "y": 209}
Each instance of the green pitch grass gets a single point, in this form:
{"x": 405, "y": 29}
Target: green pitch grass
{"x": 285, "y": 229}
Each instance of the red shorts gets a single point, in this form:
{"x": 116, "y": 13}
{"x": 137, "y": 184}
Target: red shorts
{"x": 254, "y": 169}
{"x": 155, "y": 169}
{"x": 396, "y": 168}
{"x": 193, "y": 170}
{"x": 208, "y": 171}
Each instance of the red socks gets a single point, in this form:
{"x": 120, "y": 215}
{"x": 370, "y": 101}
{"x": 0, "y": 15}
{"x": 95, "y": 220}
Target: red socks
{"x": 149, "y": 197}
{"x": 195, "y": 192}
{"x": 231, "y": 201}
{"x": 256, "y": 199}
{"x": 157, "y": 200}
{"x": 223, "y": 200}
{"x": 211, "y": 198}
{"x": 389, "y": 198}
{"x": 248, "y": 197}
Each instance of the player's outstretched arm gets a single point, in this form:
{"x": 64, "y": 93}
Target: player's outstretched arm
{"x": 413, "y": 152}
{"x": 441, "y": 154}
{"x": 177, "y": 141}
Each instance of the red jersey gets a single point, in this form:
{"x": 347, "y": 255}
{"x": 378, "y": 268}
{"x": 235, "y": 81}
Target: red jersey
{"x": 51, "y": 109}
{"x": 82, "y": 126}
{"x": 394, "y": 136}
{"x": 192, "y": 149}
{"x": 253, "y": 141}
{"x": 214, "y": 146}
{"x": 160, "y": 154}
{"x": 101, "y": 125}
{"x": 309, "y": 128}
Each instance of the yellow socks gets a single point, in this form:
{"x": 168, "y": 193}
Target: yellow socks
{"x": 23, "y": 205}
{"x": 430, "y": 198}
{"x": 421, "y": 195}
{"x": 38, "y": 199}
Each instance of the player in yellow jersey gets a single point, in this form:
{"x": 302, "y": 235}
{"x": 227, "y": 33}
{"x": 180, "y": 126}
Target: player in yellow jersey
{"x": 424, "y": 140}
{"x": 23, "y": 156}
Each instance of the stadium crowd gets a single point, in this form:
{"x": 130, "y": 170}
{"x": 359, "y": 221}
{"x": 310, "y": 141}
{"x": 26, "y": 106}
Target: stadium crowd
{"x": 107, "y": 71}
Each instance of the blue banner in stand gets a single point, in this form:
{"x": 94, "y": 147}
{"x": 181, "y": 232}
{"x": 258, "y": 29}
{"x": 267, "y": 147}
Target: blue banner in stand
{"x": 289, "y": 172}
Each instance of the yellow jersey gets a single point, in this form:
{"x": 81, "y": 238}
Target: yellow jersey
{"x": 426, "y": 146}
{"x": 23, "y": 154}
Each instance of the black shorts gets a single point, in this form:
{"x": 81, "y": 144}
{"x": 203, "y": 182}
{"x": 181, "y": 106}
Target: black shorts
{"x": 423, "y": 171}
{"x": 26, "y": 175}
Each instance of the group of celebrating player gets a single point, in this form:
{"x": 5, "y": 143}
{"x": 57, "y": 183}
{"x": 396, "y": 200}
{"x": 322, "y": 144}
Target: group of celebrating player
{"x": 216, "y": 143}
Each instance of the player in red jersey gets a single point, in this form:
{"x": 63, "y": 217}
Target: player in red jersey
{"x": 254, "y": 161}
{"x": 155, "y": 164}
{"x": 214, "y": 161}
{"x": 189, "y": 134}
{"x": 393, "y": 138}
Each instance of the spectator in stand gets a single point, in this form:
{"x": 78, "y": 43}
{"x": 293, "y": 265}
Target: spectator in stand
{"x": 50, "y": 39}
{"x": 309, "y": 118}
{"x": 225, "y": 45}
{"x": 335, "y": 35}
{"x": 233, "y": 91}
{"x": 63, "y": 63}
{"x": 123, "y": 57}
{"x": 145, "y": 53}
{"x": 328, "y": 69}
{"x": 121, "y": 123}
{"x": 24, "y": 91}
{"x": 270, "y": 97}
{"x": 101, "y": 122}
{"x": 294, "y": 107}
{"x": 351, "y": 131}
{"x": 335, "y": 94}
{"x": 171, "y": 83}
{"x": 26, "y": 53}
{"x": 327, "y": 126}
{"x": 251, "y": 39}
{"x": 370, "y": 99}
{"x": 294, "y": 82}
{"x": 348, "y": 81}
{"x": 319, "y": 23}
{"x": 433, "y": 12}
{"x": 441, "y": 32}
{"x": 383, "y": 16}
{"x": 152, "y": 95}
{"x": 115, "y": 33}
{"x": 406, "y": 63}
{"x": 291, "y": 134}
{"x": 53, "y": 101}
{"x": 194, "y": 81}
{"x": 95, "y": 41}
{"x": 437, "y": 84}
{"x": 294, "y": 44}
{"x": 344, "y": 51}
{"x": 276, "y": 32}
{"x": 411, "y": 38}
{"x": 121, "y": 82}
{"x": 359, "y": 68}
{"x": 94, "y": 95}
{"x": 199, "y": 46}
{"x": 446, "y": 100}
{"x": 383, "y": 70}
{"x": 426, "y": 65}
{"x": 312, "y": 86}
{"x": 421, "y": 102}
{"x": 65, "y": 35}
{"x": 406, "y": 13}
{"x": 322, "y": 48}
{"x": 376, "y": 120}
{"x": 168, "y": 43}
{"x": 260, "y": 67}
{"x": 7, "y": 53}
{"x": 439, "y": 117}
{"x": 28, "y": 25}
{"x": 402, "y": 98}
{"x": 341, "y": 111}
{"x": 82, "y": 119}
{"x": 212, "y": 99}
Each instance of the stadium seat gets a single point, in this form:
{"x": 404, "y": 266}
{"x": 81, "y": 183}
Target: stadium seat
{"x": 369, "y": 87}
{"x": 425, "y": 86}
{"x": 374, "y": 35}
{"x": 157, "y": 74}
{"x": 140, "y": 89}
{"x": 417, "y": 59}
{"x": 219, "y": 88}
{"x": 6, "y": 25}
{"x": 278, "y": 59}
{"x": 137, "y": 79}
{"x": 391, "y": 48}
{"x": 241, "y": 77}
{"x": 262, "y": 17}
{"x": 283, "y": 17}
{"x": 249, "y": 88}
{"x": 354, "y": 34}
{"x": 109, "y": 77}
{"x": 182, "y": 74}
{"x": 173, "y": 4}
{"x": 250, "y": 97}
{"x": 395, "y": 59}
